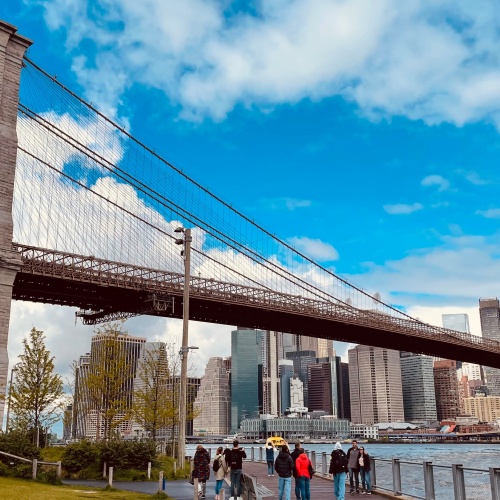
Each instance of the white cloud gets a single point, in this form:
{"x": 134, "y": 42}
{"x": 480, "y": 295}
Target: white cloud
{"x": 314, "y": 248}
{"x": 474, "y": 178}
{"x": 491, "y": 213}
{"x": 401, "y": 208}
{"x": 284, "y": 203}
{"x": 434, "y": 61}
{"x": 436, "y": 180}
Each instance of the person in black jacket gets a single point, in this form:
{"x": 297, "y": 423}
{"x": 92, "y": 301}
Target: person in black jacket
{"x": 364, "y": 469}
{"x": 285, "y": 468}
{"x": 236, "y": 464}
{"x": 295, "y": 454}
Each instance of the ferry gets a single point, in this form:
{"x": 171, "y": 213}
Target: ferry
{"x": 276, "y": 441}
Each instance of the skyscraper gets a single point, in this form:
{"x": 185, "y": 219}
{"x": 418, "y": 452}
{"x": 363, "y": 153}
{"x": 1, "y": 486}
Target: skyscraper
{"x": 246, "y": 375}
{"x": 286, "y": 373}
{"x": 270, "y": 372}
{"x": 321, "y": 387}
{"x": 375, "y": 385}
{"x": 447, "y": 389}
{"x": 301, "y": 360}
{"x": 458, "y": 322}
{"x": 213, "y": 401}
{"x": 344, "y": 391}
{"x": 489, "y": 313}
{"x": 419, "y": 397}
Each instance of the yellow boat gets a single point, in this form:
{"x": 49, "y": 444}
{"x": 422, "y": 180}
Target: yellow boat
{"x": 276, "y": 441}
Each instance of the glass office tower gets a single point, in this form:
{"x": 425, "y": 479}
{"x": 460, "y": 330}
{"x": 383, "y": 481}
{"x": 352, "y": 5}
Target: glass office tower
{"x": 246, "y": 375}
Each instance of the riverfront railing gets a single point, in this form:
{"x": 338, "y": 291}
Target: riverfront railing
{"x": 428, "y": 481}
{"x": 419, "y": 480}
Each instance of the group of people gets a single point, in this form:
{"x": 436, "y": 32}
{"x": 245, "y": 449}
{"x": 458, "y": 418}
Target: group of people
{"x": 356, "y": 463}
{"x": 224, "y": 460}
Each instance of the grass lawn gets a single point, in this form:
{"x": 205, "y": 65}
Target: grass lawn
{"x": 15, "y": 489}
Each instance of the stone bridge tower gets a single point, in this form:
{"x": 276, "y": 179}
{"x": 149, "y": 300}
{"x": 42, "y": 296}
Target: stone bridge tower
{"x": 12, "y": 48}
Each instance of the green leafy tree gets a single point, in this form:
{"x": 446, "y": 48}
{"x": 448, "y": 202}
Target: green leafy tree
{"x": 153, "y": 408}
{"x": 36, "y": 396}
{"x": 109, "y": 381}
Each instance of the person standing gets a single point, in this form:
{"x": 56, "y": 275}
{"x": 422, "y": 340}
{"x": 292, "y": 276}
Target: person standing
{"x": 364, "y": 469}
{"x": 270, "y": 459}
{"x": 338, "y": 468}
{"x": 353, "y": 466}
{"x": 295, "y": 454}
{"x": 220, "y": 469}
{"x": 236, "y": 464}
{"x": 303, "y": 476}
{"x": 284, "y": 467}
{"x": 201, "y": 471}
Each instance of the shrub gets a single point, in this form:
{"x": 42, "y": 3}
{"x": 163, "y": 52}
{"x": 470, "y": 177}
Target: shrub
{"x": 78, "y": 456}
{"x": 49, "y": 476}
{"x": 128, "y": 454}
{"x": 23, "y": 471}
{"x": 17, "y": 443}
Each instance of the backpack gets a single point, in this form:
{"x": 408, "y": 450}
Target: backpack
{"x": 216, "y": 465}
{"x": 338, "y": 462}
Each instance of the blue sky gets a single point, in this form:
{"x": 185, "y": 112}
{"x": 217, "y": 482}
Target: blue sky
{"x": 366, "y": 131}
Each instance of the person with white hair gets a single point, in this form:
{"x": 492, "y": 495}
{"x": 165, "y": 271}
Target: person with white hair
{"x": 338, "y": 468}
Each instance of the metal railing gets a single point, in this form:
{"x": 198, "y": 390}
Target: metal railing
{"x": 419, "y": 480}
{"x": 428, "y": 481}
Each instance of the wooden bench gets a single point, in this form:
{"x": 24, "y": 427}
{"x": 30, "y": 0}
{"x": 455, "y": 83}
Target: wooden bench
{"x": 251, "y": 489}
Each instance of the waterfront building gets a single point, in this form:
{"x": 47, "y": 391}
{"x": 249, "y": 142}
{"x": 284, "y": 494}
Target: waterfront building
{"x": 296, "y": 428}
{"x": 285, "y": 373}
{"x": 489, "y": 313}
{"x": 447, "y": 389}
{"x": 417, "y": 378}
{"x": 323, "y": 350}
{"x": 485, "y": 408}
{"x": 213, "y": 401}
{"x": 375, "y": 385}
{"x": 364, "y": 431}
{"x": 246, "y": 375}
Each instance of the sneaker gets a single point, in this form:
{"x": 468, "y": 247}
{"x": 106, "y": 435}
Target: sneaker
{"x": 368, "y": 492}
{"x": 351, "y": 492}
{"x": 269, "y": 475}
{"x": 363, "y": 492}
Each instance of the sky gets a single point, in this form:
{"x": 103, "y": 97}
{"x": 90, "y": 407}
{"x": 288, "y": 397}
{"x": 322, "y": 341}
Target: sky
{"x": 365, "y": 132}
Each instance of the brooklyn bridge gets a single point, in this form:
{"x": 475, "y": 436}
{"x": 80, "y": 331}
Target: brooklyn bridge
{"x": 88, "y": 219}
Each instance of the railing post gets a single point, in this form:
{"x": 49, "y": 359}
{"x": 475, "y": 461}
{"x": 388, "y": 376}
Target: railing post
{"x": 59, "y": 469}
{"x": 458, "y": 481}
{"x": 396, "y": 476}
{"x": 110, "y": 479}
{"x": 429, "y": 480}
{"x": 149, "y": 470}
{"x": 495, "y": 483}
{"x": 34, "y": 468}
{"x": 195, "y": 491}
{"x": 313, "y": 459}
{"x": 260, "y": 454}
{"x": 308, "y": 454}
{"x": 373, "y": 472}
{"x": 104, "y": 470}
{"x": 324, "y": 469}
{"x": 160, "y": 481}
{"x": 252, "y": 454}
{"x": 175, "y": 467}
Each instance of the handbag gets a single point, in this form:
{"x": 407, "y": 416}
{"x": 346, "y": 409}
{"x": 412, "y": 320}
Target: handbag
{"x": 311, "y": 469}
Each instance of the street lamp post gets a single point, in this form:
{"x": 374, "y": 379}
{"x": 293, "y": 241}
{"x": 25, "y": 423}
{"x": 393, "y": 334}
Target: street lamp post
{"x": 186, "y": 241}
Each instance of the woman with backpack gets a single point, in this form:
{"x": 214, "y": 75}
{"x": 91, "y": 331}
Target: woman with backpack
{"x": 338, "y": 468}
{"x": 220, "y": 469}
{"x": 364, "y": 469}
{"x": 270, "y": 449}
{"x": 201, "y": 470}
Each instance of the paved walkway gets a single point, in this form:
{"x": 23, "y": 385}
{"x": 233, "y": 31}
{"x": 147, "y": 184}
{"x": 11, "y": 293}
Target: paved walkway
{"x": 321, "y": 488}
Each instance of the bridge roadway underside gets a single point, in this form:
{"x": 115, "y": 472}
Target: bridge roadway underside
{"x": 64, "y": 292}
